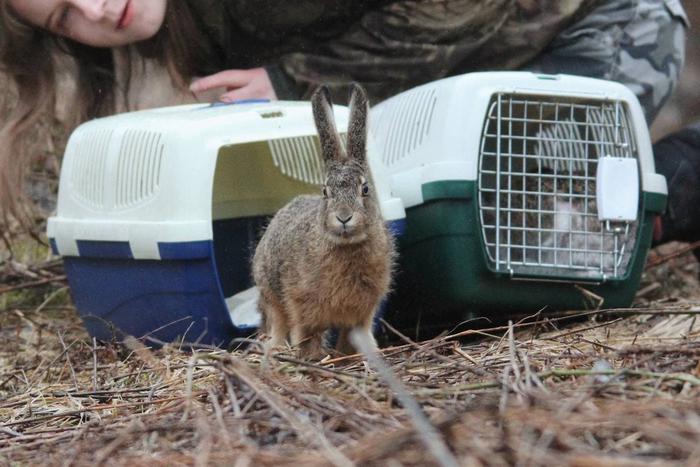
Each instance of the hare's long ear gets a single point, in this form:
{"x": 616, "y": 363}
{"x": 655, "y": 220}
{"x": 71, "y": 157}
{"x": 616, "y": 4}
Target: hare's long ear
{"x": 322, "y": 107}
{"x": 357, "y": 126}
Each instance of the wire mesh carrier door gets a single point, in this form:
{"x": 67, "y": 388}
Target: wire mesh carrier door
{"x": 537, "y": 187}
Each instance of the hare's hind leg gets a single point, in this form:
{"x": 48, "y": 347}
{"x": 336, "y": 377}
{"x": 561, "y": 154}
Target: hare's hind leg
{"x": 308, "y": 342}
{"x": 344, "y": 346}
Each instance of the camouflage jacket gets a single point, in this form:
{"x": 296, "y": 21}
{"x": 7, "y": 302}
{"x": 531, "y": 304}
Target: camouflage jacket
{"x": 386, "y": 45}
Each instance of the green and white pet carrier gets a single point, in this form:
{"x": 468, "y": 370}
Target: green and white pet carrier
{"x": 159, "y": 212}
{"x": 522, "y": 192}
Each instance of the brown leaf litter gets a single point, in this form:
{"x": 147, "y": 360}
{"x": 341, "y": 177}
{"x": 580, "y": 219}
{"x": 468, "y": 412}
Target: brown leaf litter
{"x": 606, "y": 387}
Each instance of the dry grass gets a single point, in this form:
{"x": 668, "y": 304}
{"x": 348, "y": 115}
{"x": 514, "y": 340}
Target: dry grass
{"x": 617, "y": 387}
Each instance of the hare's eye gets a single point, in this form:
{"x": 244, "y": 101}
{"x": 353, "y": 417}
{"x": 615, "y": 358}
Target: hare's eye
{"x": 365, "y": 189}
{"x": 325, "y": 191}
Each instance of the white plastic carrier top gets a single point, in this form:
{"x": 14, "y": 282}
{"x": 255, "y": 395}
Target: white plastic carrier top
{"x": 148, "y": 177}
{"x": 433, "y": 132}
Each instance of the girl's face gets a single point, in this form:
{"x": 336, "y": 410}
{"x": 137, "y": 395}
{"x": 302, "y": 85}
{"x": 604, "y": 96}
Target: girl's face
{"x": 99, "y": 23}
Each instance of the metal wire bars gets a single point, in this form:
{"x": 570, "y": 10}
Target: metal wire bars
{"x": 537, "y": 186}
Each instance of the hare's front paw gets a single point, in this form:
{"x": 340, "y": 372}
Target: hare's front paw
{"x": 272, "y": 347}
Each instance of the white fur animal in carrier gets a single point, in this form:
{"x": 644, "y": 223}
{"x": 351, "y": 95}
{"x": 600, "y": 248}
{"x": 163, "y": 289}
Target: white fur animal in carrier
{"x": 513, "y": 176}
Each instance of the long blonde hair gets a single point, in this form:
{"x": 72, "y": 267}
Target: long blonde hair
{"x": 28, "y": 59}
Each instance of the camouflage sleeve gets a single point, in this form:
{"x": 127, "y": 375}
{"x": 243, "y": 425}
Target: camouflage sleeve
{"x": 639, "y": 43}
{"x": 408, "y": 42}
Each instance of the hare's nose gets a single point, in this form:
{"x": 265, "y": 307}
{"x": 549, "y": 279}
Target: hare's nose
{"x": 344, "y": 220}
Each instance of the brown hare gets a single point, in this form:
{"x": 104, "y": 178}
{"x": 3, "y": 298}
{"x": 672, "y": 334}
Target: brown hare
{"x": 326, "y": 261}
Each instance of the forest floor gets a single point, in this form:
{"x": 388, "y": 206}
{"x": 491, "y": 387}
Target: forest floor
{"x": 598, "y": 387}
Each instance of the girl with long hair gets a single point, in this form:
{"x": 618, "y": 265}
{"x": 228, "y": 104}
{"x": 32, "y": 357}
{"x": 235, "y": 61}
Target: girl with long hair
{"x": 277, "y": 49}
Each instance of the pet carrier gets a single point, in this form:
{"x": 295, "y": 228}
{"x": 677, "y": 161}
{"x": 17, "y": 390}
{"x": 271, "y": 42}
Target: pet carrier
{"x": 522, "y": 191}
{"x": 159, "y": 212}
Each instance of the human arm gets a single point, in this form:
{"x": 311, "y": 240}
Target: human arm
{"x": 386, "y": 49}
{"x": 398, "y": 45}
{"x": 405, "y": 43}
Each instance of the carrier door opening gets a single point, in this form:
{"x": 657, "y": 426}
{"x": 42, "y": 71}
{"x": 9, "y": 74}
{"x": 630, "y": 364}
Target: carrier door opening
{"x": 251, "y": 182}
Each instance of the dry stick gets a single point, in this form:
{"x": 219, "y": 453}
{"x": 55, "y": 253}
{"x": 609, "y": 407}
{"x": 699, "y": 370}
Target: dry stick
{"x": 48, "y": 368}
{"x": 401, "y": 336}
{"x": 72, "y": 413}
{"x": 661, "y": 349}
{"x": 218, "y": 411}
{"x": 107, "y": 393}
{"x": 400, "y": 348}
{"x": 593, "y": 298}
{"x": 7, "y": 380}
{"x": 598, "y": 344}
{"x": 121, "y": 439}
{"x": 28, "y": 441}
{"x": 232, "y": 396}
{"x": 426, "y": 347}
{"x": 683, "y": 377}
{"x": 459, "y": 351}
{"x": 70, "y": 364}
{"x": 549, "y": 433}
{"x": 647, "y": 290}
{"x": 188, "y": 385}
{"x": 679, "y": 252}
{"x": 94, "y": 364}
{"x": 305, "y": 429}
{"x": 587, "y": 328}
{"x": 512, "y": 355}
{"x": 43, "y": 266}
{"x": 9, "y": 431}
{"x": 287, "y": 359}
{"x": 460, "y": 388}
{"x": 41, "y": 443}
{"x": 557, "y": 315}
{"x": 29, "y": 285}
{"x": 426, "y": 431}
{"x": 49, "y": 299}
{"x": 37, "y": 434}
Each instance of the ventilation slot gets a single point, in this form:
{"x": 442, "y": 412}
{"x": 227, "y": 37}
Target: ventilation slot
{"x": 537, "y": 187}
{"x": 300, "y": 157}
{"x": 138, "y": 167}
{"x": 406, "y": 125}
{"x": 88, "y": 173}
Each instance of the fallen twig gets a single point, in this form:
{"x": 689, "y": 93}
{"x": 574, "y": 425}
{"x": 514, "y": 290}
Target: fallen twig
{"x": 430, "y": 437}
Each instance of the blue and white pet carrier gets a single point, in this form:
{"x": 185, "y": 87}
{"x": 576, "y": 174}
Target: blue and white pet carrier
{"x": 159, "y": 212}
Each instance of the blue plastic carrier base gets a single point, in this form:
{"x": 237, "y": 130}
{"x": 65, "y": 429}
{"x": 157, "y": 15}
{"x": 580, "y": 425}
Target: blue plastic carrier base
{"x": 178, "y": 298}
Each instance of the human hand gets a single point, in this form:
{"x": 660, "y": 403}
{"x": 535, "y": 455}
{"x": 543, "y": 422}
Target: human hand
{"x": 239, "y": 84}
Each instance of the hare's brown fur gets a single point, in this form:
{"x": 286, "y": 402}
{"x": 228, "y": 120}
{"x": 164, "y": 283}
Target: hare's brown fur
{"x": 315, "y": 271}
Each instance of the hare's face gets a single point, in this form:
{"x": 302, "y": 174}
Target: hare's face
{"x": 347, "y": 197}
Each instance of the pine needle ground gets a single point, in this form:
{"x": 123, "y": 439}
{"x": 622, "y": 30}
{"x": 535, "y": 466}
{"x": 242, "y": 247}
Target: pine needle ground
{"x": 603, "y": 387}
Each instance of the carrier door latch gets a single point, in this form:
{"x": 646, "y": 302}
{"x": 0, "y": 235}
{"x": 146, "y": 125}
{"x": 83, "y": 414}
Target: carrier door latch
{"x": 617, "y": 189}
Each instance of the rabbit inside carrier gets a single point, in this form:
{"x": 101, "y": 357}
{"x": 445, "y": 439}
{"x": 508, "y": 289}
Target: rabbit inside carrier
{"x": 538, "y": 189}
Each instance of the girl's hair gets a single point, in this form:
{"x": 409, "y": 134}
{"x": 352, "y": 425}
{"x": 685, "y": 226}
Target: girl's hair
{"x": 28, "y": 58}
